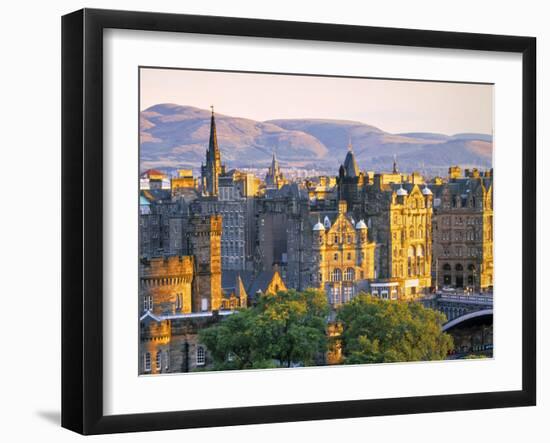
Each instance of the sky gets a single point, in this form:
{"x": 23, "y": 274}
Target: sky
{"x": 395, "y": 106}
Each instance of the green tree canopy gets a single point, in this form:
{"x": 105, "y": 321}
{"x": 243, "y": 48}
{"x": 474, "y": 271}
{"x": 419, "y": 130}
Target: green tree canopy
{"x": 376, "y": 331}
{"x": 282, "y": 329}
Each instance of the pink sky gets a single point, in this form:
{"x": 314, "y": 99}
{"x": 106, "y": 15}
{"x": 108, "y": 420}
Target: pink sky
{"x": 392, "y": 105}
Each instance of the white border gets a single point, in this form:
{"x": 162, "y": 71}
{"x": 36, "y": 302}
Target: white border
{"x": 125, "y": 392}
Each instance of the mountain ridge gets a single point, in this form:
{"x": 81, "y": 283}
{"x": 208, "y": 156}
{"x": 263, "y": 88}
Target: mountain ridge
{"x": 173, "y": 136}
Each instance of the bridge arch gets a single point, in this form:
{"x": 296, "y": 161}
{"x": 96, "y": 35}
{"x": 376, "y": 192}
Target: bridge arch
{"x": 471, "y": 315}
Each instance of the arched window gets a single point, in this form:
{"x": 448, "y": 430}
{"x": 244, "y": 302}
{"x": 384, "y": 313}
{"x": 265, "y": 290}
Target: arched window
{"x": 201, "y": 356}
{"x": 349, "y": 274}
{"x": 411, "y": 233}
{"x": 147, "y": 361}
{"x": 446, "y": 267}
{"x": 471, "y": 267}
{"x": 459, "y": 267}
{"x": 336, "y": 275}
{"x": 420, "y": 233}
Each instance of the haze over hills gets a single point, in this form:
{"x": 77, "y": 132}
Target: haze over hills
{"x": 174, "y": 136}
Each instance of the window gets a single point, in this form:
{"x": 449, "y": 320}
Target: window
{"x": 336, "y": 275}
{"x": 335, "y": 256}
{"x": 201, "y": 356}
{"x": 148, "y": 303}
{"x": 349, "y": 274}
{"x": 335, "y": 295}
{"x": 147, "y": 362}
{"x": 335, "y": 239}
{"x": 349, "y": 255}
{"x": 166, "y": 360}
{"x": 204, "y": 304}
{"x": 158, "y": 361}
{"x": 347, "y": 294}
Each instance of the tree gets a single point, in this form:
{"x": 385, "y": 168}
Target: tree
{"x": 282, "y": 329}
{"x": 377, "y": 331}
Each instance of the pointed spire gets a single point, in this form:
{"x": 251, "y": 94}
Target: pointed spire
{"x": 350, "y": 147}
{"x": 395, "y": 167}
{"x": 213, "y": 150}
{"x": 213, "y": 167}
{"x": 274, "y": 164}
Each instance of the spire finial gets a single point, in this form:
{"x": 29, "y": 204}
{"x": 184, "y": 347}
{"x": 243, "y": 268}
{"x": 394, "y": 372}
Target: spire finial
{"x": 350, "y": 148}
{"x": 395, "y": 168}
{"x": 212, "y": 108}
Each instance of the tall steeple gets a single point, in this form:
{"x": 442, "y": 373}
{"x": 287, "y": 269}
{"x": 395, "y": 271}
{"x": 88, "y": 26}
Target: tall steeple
{"x": 213, "y": 167}
{"x": 395, "y": 168}
{"x": 274, "y": 178}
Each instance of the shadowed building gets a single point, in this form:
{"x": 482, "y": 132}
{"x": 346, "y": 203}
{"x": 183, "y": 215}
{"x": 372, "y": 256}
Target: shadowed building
{"x": 463, "y": 230}
{"x": 351, "y": 181}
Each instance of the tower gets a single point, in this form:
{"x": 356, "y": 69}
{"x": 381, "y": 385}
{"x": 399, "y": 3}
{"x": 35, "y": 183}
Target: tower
{"x": 204, "y": 243}
{"x": 274, "y": 178}
{"x": 213, "y": 168}
{"x": 350, "y": 181}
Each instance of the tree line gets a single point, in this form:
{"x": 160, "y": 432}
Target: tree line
{"x": 289, "y": 329}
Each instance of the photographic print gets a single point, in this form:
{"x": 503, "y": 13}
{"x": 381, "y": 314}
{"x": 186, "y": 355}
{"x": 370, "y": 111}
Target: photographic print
{"x": 289, "y": 220}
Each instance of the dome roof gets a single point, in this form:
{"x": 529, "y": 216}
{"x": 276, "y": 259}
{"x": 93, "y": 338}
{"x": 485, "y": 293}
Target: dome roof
{"x": 361, "y": 225}
{"x": 426, "y": 191}
{"x": 318, "y": 226}
{"x": 401, "y": 192}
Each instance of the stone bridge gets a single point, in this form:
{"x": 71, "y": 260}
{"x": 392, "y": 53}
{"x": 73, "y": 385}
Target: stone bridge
{"x": 459, "y": 304}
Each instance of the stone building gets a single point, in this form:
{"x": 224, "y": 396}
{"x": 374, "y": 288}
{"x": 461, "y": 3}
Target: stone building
{"x": 284, "y": 235}
{"x": 204, "y": 242}
{"x": 400, "y": 218}
{"x": 463, "y": 231}
{"x": 170, "y": 344}
{"x": 166, "y": 285}
{"x": 157, "y": 207}
{"x": 238, "y": 219}
{"x": 179, "y": 295}
{"x": 343, "y": 257}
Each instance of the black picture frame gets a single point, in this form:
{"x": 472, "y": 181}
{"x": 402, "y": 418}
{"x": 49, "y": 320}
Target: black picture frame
{"x": 82, "y": 218}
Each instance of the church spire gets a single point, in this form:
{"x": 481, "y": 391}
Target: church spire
{"x": 213, "y": 167}
{"x": 395, "y": 168}
{"x": 274, "y": 164}
{"x": 213, "y": 150}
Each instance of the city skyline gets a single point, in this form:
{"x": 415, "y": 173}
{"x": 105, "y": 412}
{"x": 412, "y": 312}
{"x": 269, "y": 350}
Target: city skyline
{"x": 248, "y": 270}
{"x": 395, "y": 106}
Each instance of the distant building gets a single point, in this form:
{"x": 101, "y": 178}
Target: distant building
{"x": 153, "y": 179}
{"x": 463, "y": 230}
{"x": 183, "y": 182}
